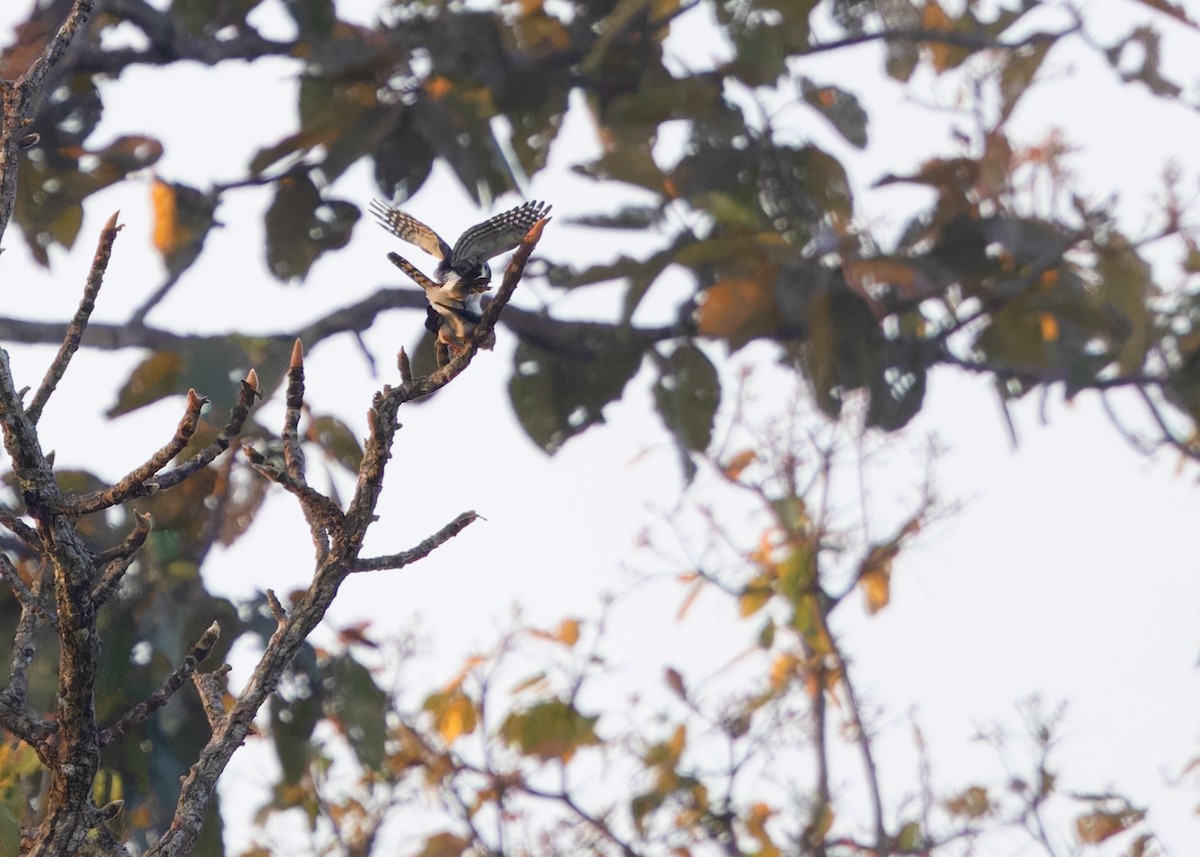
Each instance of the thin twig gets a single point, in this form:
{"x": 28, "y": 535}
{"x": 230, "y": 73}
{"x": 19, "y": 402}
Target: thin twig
{"x": 276, "y": 607}
{"x": 27, "y": 534}
{"x": 24, "y": 595}
{"x": 14, "y": 715}
{"x": 293, "y": 452}
{"x": 944, "y": 37}
{"x": 143, "y": 524}
{"x": 237, "y": 416}
{"x": 138, "y": 482}
{"x": 173, "y": 682}
{"x": 58, "y": 366}
{"x": 426, "y": 547}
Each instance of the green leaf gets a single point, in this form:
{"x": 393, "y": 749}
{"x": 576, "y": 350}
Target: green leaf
{"x": 337, "y": 440}
{"x": 840, "y": 108}
{"x": 359, "y": 708}
{"x": 403, "y": 160}
{"x": 212, "y": 366}
{"x": 10, "y": 833}
{"x": 686, "y": 395}
{"x": 557, "y": 396}
{"x": 1020, "y": 67}
{"x": 1127, "y": 286}
{"x": 550, "y": 730}
{"x": 301, "y": 226}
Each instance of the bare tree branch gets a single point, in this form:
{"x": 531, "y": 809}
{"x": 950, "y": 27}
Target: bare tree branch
{"x": 407, "y": 557}
{"x": 346, "y": 538}
{"x": 173, "y": 682}
{"x": 138, "y": 482}
{"x": 70, "y": 345}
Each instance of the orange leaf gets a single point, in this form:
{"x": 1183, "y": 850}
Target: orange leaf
{"x": 933, "y": 17}
{"x": 166, "y": 235}
{"x": 783, "y": 668}
{"x": 438, "y": 87}
{"x": 456, "y": 718}
{"x": 738, "y": 310}
{"x": 1049, "y": 327}
{"x": 972, "y": 802}
{"x": 568, "y": 632}
{"x": 733, "y": 467}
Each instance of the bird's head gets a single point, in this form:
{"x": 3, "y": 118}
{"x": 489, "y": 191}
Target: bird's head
{"x": 476, "y": 277}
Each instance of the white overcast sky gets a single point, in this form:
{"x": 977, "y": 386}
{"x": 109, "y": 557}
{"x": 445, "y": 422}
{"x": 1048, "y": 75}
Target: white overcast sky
{"x": 1072, "y": 570}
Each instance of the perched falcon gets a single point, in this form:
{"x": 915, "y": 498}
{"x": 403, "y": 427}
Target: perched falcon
{"x": 463, "y": 274}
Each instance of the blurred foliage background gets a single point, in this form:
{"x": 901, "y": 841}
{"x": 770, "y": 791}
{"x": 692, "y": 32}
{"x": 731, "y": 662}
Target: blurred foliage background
{"x": 1031, "y": 290}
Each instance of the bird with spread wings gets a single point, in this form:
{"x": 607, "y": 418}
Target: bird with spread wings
{"x": 455, "y": 292}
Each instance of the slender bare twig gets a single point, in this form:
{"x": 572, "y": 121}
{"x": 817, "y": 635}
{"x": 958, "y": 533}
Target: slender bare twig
{"x": 313, "y": 502}
{"x": 944, "y": 37}
{"x": 138, "y": 482}
{"x": 863, "y": 739}
{"x": 276, "y": 607}
{"x": 407, "y": 557}
{"x": 110, "y": 579}
{"x": 143, "y": 523}
{"x": 58, "y": 366}
{"x": 293, "y": 452}
{"x": 237, "y": 416}
{"x": 173, "y": 682}
{"x": 27, "y": 534}
{"x": 24, "y": 595}
{"x": 116, "y": 561}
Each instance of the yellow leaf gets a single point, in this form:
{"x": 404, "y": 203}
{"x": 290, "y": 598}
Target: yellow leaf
{"x": 754, "y": 596}
{"x": 1049, "y": 326}
{"x": 456, "y": 718}
{"x": 876, "y": 585}
{"x": 875, "y": 574}
{"x": 783, "y": 669}
{"x": 677, "y": 743}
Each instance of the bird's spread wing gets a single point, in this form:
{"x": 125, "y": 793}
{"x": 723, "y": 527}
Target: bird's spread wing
{"x": 493, "y": 237}
{"x": 409, "y": 229}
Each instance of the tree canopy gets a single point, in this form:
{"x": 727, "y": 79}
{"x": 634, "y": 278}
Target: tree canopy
{"x": 1007, "y": 270}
